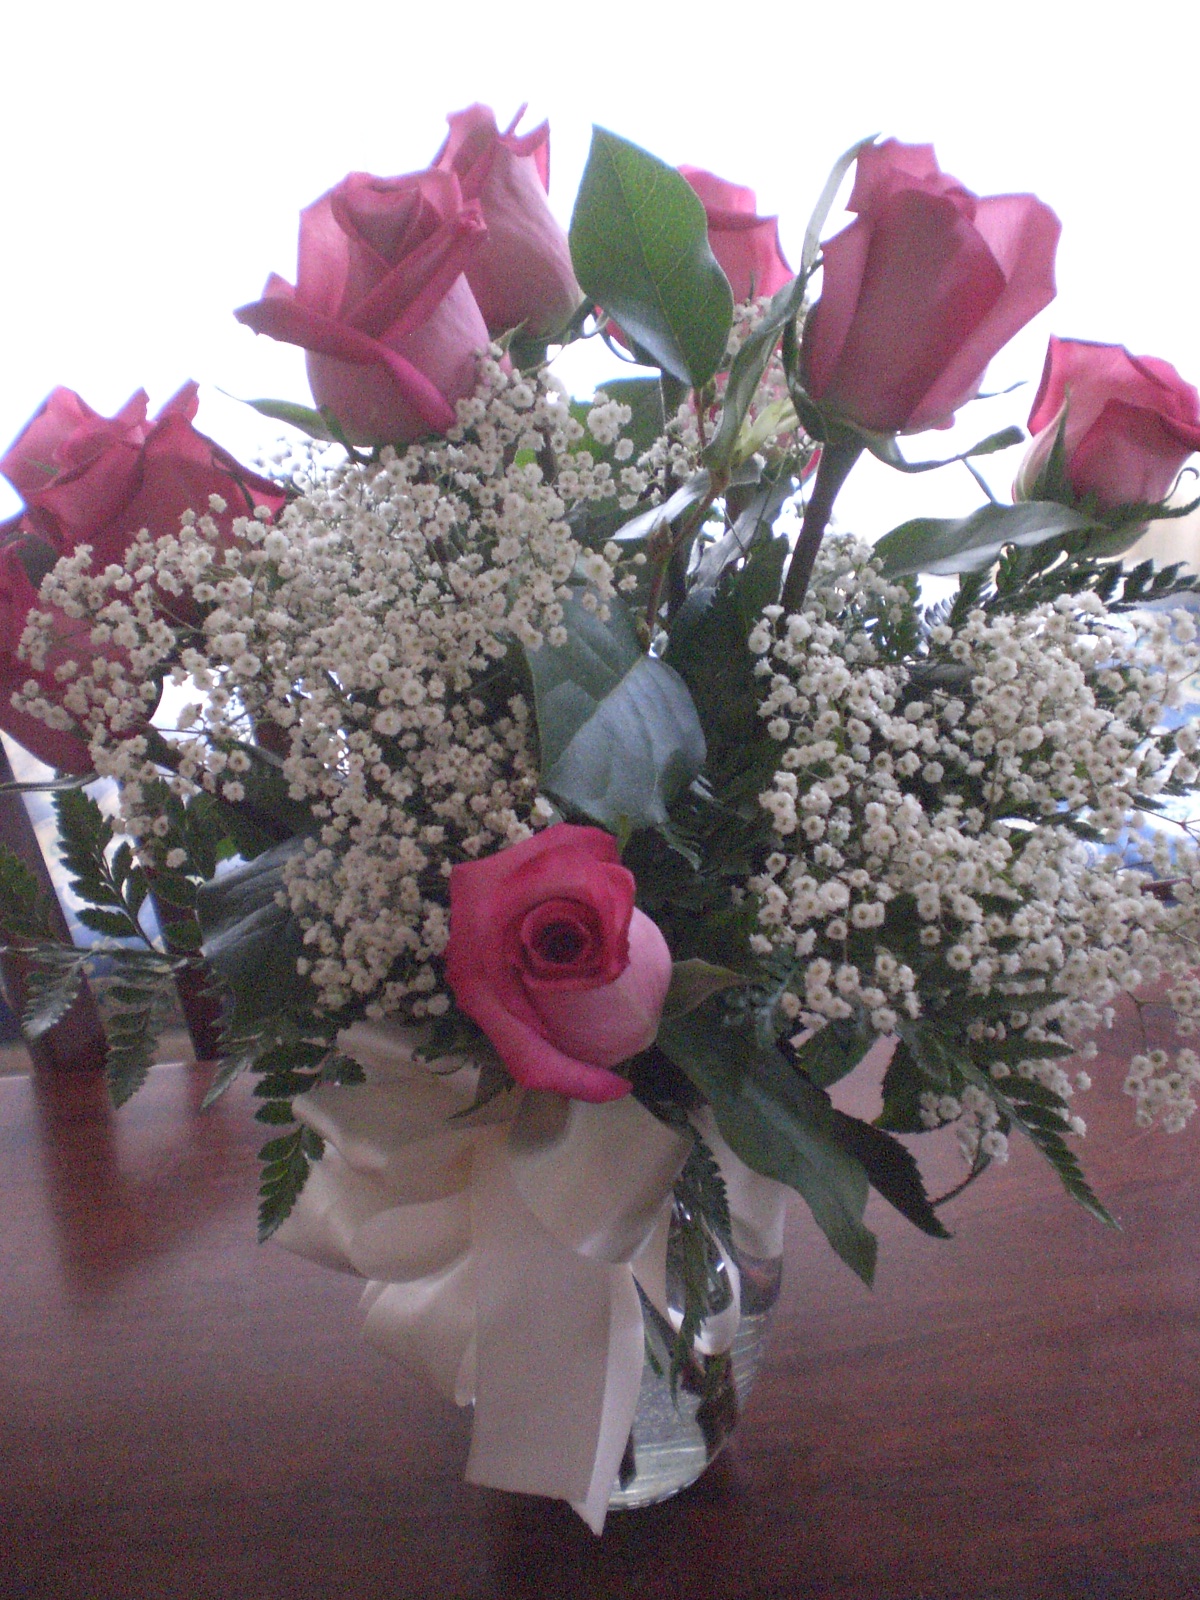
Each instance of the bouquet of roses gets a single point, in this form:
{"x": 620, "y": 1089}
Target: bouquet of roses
{"x": 560, "y": 808}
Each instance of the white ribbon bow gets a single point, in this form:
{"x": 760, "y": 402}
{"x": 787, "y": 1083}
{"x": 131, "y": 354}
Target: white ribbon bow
{"x": 504, "y": 1253}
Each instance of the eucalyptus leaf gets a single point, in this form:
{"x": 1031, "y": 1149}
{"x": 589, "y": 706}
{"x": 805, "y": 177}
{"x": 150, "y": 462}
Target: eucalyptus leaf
{"x": 619, "y": 734}
{"x": 940, "y": 545}
{"x": 639, "y": 244}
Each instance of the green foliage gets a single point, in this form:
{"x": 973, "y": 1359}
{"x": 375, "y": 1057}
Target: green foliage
{"x": 618, "y": 731}
{"x": 1025, "y": 578}
{"x": 320, "y": 425}
{"x": 23, "y": 911}
{"x": 967, "y": 544}
{"x": 708, "y": 649}
{"x": 639, "y": 244}
{"x": 892, "y": 1170}
{"x": 778, "y": 1123}
{"x": 286, "y": 1161}
{"x": 1040, "y": 1115}
{"x": 693, "y": 982}
{"x": 746, "y": 373}
{"x": 252, "y": 943}
{"x": 114, "y": 889}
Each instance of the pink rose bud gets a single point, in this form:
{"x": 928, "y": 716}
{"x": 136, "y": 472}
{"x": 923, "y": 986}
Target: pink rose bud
{"x": 522, "y": 272}
{"x": 88, "y": 479}
{"x": 921, "y": 290}
{"x": 1131, "y": 423}
{"x": 392, "y": 330}
{"x": 746, "y": 245}
{"x": 549, "y": 955}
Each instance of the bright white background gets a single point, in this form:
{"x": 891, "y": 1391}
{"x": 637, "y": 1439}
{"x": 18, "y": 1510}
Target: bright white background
{"x": 154, "y": 159}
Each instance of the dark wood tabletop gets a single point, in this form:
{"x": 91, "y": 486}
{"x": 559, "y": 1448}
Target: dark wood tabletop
{"x": 1009, "y": 1415}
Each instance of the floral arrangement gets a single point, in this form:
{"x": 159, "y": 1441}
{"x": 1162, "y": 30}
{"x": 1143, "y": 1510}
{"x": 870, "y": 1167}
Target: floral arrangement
{"x": 559, "y": 806}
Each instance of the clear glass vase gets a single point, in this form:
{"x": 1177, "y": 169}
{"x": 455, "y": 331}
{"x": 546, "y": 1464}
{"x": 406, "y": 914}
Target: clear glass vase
{"x": 678, "y": 1429}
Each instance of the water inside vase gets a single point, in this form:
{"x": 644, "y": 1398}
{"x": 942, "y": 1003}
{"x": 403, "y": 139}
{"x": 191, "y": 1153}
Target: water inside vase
{"x": 675, "y": 1436}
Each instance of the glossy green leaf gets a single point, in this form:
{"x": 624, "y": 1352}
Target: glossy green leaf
{"x": 941, "y": 545}
{"x": 252, "y": 943}
{"x": 885, "y": 447}
{"x": 779, "y": 1124}
{"x": 693, "y": 982}
{"x": 746, "y": 373}
{"x": 893, "y": 1172}
{"x": 303, "y": 418}
{"x": 824, "y": 205}
{"x": 639, "y": 244}
{"x": 618, "y": 731}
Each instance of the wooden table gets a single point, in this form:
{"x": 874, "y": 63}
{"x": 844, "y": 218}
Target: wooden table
{"x": 1011, "y": 1415}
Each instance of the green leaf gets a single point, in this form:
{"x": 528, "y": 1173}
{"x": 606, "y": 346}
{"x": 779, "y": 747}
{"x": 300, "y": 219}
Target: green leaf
{"x": 639, "y": 244}
{"x": 946, "y": 545}
{"x": 618, "y": 731}
{"x": 893, "y": 1171}
{"x": 708, "y": 649}
{"x": 227, "y": 1070}
{"x": 1044, "y": 1127}
{"x": 903, "y": 1085}
{"x": 779, "y": 1124}
{"x": 314, "y": 423}
{"x": 746, "y": 373}
{"x": 833, "y": 1051}
{"x": 116, "y": 924}
{"x": 275, "y": 1111}
{"x": 286, "y": 1169}
{"x": 252, "y": 943}
{"x": 185, "y": 936}
{"x": 693, "y": 982}
{"x": 130, "y": 1046}
{"x": 885, "y": 447}
{"x": 50, "y": 995}
{"x": 812, "y": 234}
{"x": 175, "y": 889}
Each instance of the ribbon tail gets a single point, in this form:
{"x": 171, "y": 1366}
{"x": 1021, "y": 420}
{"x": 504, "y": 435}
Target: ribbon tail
{"x": 623, "y": 1381}
{"x": 556, "y": 1347}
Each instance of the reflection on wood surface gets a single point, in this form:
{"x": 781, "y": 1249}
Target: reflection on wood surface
{"x": 1010, "y": 1415}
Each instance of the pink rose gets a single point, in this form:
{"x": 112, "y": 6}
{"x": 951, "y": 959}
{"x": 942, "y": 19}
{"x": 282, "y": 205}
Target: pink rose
{"x": 88, "y": 479}
{"x": 391, "y": 327}
{"x": 745, "y": 244}
{"x": 549, "y": 955}
{"x": 522, "y": 272}
{"x": 921, "y": 290}
{"x": 1131, "y": 423}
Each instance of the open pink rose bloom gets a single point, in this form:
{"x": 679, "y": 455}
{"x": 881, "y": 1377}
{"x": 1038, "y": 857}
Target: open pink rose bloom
{"x": 549, "y": 955}
{"x": 1131, "y": 422}
{"x": 402, "y": 282}
{"x": 921, "y": 290}
{"x": 88, "y": 479}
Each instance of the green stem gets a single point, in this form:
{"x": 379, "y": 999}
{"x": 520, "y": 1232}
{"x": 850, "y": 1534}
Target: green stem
{"x": 837, "y": 459}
